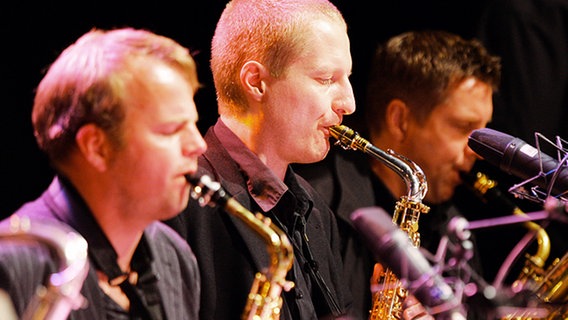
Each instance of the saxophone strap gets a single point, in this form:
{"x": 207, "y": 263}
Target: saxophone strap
{"x": 309, "y": 265}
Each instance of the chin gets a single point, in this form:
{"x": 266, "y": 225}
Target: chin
{"x": 324, "y": 151}
{"x": 446, "y": 197}
{"x": 311, "y": 156}
{"x": 317, "y": 158}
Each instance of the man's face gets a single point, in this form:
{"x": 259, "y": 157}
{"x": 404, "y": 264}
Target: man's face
{"x": 439, "y": 146}
{"x": 161, "y": 143}
{"x": 313, "y": 94}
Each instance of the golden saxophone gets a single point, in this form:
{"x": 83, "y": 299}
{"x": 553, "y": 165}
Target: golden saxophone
{"x": 550, "y": 284}
{"x": 264, "y": 300}
{"x": 61, "y": 295}
{"x": 387, "y": 302}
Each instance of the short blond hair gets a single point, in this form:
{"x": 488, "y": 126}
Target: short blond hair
{"x": 268, "y": 31}
{"x": 85, "y": 84}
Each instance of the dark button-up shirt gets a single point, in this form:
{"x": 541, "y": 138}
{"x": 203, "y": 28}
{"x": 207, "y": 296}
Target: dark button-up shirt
{"x": 230, "y": 253}
{"x": 168, "y": 284}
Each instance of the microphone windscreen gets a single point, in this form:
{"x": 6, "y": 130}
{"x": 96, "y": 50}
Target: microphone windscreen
{"x": 490, "y": 144}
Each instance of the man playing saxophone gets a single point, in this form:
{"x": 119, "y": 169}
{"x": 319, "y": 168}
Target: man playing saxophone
{"x": 116, "y": 116}
{"x": 426, "y": 92}
{"x": 281, "y": 71}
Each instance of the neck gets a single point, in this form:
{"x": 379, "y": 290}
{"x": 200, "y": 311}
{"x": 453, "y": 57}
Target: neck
{"x": 123, "y": 238}
{"x": 121, "y": 222}
{"x": 252, "y": 136}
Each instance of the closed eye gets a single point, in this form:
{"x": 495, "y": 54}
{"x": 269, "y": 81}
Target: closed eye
{"x": 171, "y": 128}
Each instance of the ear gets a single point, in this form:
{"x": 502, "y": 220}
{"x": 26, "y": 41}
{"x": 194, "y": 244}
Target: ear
{"x": 397, "y": 119}
{"x": 93, "y": 145}
{"x": 253, "y": 75}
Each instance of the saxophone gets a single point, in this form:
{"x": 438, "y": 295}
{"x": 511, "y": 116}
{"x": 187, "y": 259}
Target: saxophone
{"x": 388, "y": 300}
{"x": 264, "y": 300}
{"x": 550, "y": 284}
{"x": 61, "y": 295}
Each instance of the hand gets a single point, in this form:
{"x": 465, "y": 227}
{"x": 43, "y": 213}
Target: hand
{"x": 414, "y": 310}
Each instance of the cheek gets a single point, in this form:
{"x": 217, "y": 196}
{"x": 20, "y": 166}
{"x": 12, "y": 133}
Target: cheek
{"x": 301, "y": 101}
{"x": 459, "y": 145}
{"x": 146, "y": 160}
{"x": 434, "y": 153}
{"x": 132, "y": 166}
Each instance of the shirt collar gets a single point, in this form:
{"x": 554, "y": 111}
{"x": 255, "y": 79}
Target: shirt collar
{"x": 100, "y": 249}
{"x": 263, "y": 186}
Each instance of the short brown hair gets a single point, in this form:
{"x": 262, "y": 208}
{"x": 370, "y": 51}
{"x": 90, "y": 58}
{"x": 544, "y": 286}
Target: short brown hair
{"x": 420, "y": 68}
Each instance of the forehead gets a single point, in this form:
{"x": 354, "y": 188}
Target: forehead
{"x": 326, "y": 42}
{"x": 157, "y": 88}
{"x": 146, "y": 76}
{"x": 471, "y": 99}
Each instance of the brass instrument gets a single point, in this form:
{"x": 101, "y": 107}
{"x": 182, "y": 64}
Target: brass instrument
{"x": 549, "y": 284}
{"x": 264, "y": 300}
{"x": 387, "y": 301}
{"x": 61, "y": 295}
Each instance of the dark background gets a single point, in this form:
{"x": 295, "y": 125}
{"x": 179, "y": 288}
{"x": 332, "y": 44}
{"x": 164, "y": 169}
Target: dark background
{"x": 32, "y": 36}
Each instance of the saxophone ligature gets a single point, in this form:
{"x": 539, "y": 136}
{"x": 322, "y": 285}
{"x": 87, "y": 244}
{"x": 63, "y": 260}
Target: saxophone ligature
{"x": 62, "y": 294}
{"x": 548, "y": 283}
{"x": 264, "y": 300}
{"x": 388, "y": 300}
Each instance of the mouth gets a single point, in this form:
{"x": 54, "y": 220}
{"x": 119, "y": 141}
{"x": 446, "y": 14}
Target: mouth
{"x": 466, "y": 177}
{"x": 189, "y": 174}
{"x": 327, "y": 132}
{"x": 330, "y": 128}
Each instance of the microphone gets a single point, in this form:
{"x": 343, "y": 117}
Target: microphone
{"x": 392, "y": 246}
{"x": 516, "y": 157}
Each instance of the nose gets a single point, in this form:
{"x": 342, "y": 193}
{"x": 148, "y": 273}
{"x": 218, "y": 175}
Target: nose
{"x": 346, "y": 104}
{"x": 469, "y": 153}
{"x": 469, "y": 159}
{"x": 193, "y": 144}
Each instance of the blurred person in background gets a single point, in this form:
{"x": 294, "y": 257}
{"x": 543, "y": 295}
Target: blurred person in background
{"x": 427, "y": 91}
{"x": 115, "y": 115}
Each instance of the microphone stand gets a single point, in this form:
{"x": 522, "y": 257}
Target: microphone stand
{"x": 507, "y": 220}
{"x": 459, "y": 228}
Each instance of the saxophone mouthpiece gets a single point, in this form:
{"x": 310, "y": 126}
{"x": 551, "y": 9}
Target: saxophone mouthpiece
{"x": 337, "y": 130}
{"x": 347, "y": 138}
{"x": 192, "y": 179}
{"x": 206, "y": 191}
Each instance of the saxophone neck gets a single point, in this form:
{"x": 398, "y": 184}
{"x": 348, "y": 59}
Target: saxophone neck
{"x": 282, "y": 258}
{"x": 409, "y": 171}
{"x": 278, "y": 245}
{"x": 265, "y": 301}
{"x": 387, "y": 301}
{"x": 209, "y": 192}
{"x": 413, "y": 176}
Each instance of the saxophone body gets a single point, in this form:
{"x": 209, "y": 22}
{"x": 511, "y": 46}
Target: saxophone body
{"x": 62, "y": 294}
{"x": 548, "y": 283}
{"x": 264, "y": 300}
{"x": 388, "y": 300}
